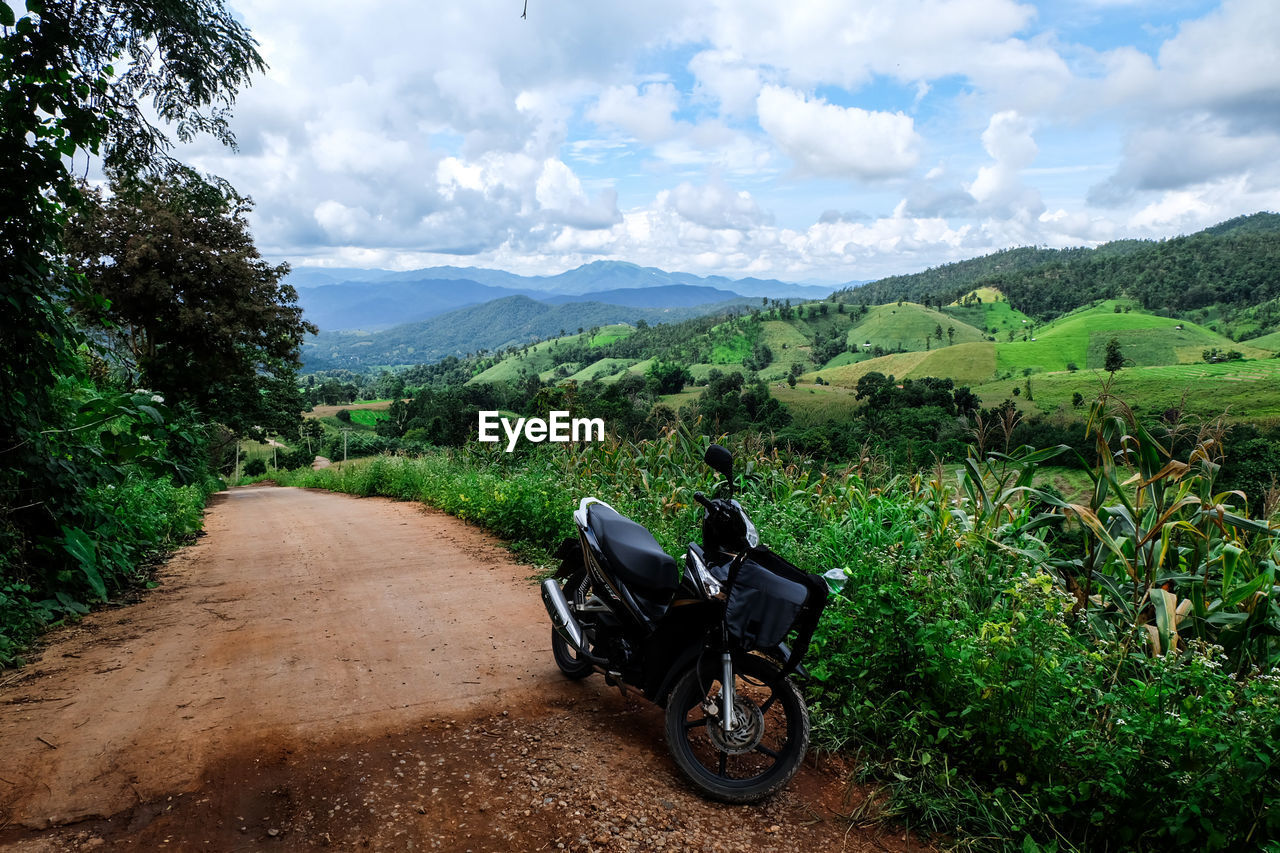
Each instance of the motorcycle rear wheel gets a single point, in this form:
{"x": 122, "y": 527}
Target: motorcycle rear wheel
{"x": 567, "y": 658}
{"x": 757, "y": 758}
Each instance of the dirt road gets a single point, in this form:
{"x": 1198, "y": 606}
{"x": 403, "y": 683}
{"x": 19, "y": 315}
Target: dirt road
{"x": 325, "y": 670}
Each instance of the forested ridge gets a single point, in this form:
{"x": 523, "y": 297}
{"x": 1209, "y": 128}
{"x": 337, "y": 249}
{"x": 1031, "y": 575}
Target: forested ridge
{"x": 1233, "y": 267}
{"x": 498, "y": 324}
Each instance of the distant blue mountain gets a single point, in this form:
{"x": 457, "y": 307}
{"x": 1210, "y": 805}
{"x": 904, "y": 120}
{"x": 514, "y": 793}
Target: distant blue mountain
{"x": 381, "y": 304}
{"x": 498, "y": 323}
{"x": 399, "y": 297}
{"x": 657, "y": 296}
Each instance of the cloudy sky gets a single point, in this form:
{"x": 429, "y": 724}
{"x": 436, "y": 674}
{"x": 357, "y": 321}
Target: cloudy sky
{"x": 817, "y": 140}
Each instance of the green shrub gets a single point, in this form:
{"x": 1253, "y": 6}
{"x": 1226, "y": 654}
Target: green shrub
{"x": 956, "y": 661}
{"x": 134, "y": 479}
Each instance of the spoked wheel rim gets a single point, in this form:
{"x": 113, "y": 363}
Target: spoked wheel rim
{"x": 756, "y": 757}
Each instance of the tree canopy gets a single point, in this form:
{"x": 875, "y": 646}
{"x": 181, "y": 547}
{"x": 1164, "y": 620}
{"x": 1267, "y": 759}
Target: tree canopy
{"x": 82, "y": 78}
{"x": 189, "y": 302}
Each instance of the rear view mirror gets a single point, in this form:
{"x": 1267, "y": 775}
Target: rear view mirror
{"x": 720, "y": 460}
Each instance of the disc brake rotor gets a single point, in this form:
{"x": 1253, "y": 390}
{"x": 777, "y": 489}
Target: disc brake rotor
{"x": 747, "y": 732}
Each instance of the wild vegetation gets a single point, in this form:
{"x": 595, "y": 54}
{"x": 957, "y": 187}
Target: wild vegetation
{"x": 1016, "y": 667}
{"x": 121, "y": 380}
{"x": 1014, "y": 670}
{"x": 1087, "y": 665}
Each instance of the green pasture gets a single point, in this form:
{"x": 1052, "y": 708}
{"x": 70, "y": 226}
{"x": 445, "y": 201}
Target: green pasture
{"x": 730, "y": 349}
{"x": 368, "y": 417}
{"x": 782, "y": 336}
{"x": 814, "y": 404}
{"x": 1245, "y": 390}
{"x": 844, "y": 358}
{"x": 991, "y": 317}
{"x": 906, "y": 326}
{"x": 609, "y": 334}
{"x": 1270, "y": 342}
{"x": 899, "y": 365}
{"x": 640, "y": 368}
{"x": 700, "y": 372}
{"x": 536, "y": 360}
{"x": 965, "y": 363}
{"x": 1081, "y": 338}
{"x": 603, "y": 369}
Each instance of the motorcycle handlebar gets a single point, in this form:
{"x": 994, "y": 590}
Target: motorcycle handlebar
{"x": 702, "y": 499}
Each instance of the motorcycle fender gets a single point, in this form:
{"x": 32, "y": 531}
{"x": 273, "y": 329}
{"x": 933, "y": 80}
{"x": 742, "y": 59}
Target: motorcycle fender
{"x": 689, "y": 657}
{"x": 682, "y": 663}
{"x": 782, "y": 653}
{"x": 570, "y": 556}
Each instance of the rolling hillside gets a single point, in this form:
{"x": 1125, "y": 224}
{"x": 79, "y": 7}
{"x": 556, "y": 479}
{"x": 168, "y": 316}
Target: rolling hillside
{"x": 1078, "y": 339}
{"x": 907, "y": 326}
{"x": 967, "y": 364}
{"x": 512, "y": 321}
{"x": 794, "y": 337}
{"x": 1248, "y": 390}
{"x": 977, "y": 337}
{"x": 1270, "y": 342}
{"x": 1230, "y": 271}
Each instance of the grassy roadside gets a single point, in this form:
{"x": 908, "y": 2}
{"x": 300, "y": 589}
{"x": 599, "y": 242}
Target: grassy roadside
{"x": 954, "y": 662}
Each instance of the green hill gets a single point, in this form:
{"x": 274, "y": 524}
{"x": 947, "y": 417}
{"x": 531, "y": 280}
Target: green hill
{"x": 899, "y": 364}
{"x": 1247, "y": 390}
{"x": 907, "y": 326}
{"x": 532, "y": 360}
{"x": 1081, "y": 338}
{"x": 1270, "y": 342}
{"x": 987, "y": 310}
{"x": 1229, "y": 271}
{"x": 965, "y": 363}
{"x": 603, "y": 369}
{"x": 803, "y": 336}
{"x": 1078, "y": 339}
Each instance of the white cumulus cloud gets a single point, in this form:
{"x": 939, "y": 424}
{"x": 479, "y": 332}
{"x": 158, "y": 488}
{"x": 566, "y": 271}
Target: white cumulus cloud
{"x": 645, "y": 113}
{"x": 999, "y": 187}
{"x": 828, "y": 140}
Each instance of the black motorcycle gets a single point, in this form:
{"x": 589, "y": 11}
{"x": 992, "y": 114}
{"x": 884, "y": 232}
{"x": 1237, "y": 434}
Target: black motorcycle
{"x": 708, "y": 644}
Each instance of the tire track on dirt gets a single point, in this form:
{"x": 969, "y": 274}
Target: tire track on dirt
{"x": 327, "y": 671}
{"x": 304, "y": 613}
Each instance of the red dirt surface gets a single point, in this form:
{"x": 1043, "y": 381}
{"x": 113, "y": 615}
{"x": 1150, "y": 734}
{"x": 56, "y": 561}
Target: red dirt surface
{"x": 326, "y": 671}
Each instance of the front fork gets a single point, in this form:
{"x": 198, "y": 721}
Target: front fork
{"x": 727, "y": 698}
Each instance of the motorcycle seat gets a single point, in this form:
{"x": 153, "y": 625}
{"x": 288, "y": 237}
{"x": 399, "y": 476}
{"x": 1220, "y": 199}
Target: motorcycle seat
{"x": 633, "y": 553}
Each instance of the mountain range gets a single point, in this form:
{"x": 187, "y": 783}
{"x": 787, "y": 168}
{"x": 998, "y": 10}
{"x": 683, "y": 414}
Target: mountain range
{"x": 346, "y": 298}
{"x": 1224, "y": 278}
{"x": 496, "y": 324}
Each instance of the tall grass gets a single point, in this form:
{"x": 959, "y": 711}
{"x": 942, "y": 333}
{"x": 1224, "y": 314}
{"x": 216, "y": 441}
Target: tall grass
{"x": 990, "y": 700}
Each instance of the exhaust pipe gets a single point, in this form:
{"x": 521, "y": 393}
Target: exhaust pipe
{"x": 562, "y": 618}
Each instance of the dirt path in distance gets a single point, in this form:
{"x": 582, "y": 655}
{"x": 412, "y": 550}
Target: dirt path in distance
{"x": 322, "y": 670}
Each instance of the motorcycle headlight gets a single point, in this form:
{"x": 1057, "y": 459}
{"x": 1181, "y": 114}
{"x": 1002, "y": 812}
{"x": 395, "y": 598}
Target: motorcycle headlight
{"x": 708, "y": 580}
{"x": 753, "y": 538}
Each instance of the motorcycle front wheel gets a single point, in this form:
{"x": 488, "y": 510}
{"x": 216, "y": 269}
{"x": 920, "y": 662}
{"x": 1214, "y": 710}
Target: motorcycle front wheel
{"x": 763, "y": 750}
{"x": 567, "y": 658}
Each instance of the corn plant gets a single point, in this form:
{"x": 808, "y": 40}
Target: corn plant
{"x": 1164, "y": 552}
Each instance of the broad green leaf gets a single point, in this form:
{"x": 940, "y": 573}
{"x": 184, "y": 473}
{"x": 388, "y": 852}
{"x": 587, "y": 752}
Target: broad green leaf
{"x": 83, "y": 550}
{"x": 1166, "y": 604}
